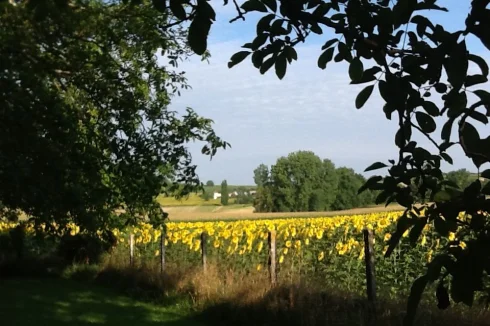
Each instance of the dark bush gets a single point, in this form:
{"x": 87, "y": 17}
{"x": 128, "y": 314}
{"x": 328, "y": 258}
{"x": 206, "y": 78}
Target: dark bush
{"x": 85, "y": 248}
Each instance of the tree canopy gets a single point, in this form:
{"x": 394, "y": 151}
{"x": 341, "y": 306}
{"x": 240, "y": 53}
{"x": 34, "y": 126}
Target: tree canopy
{"x": 85, "y": 129}
{"x": 224, "y": 193}
{"x": 302, "y": 181}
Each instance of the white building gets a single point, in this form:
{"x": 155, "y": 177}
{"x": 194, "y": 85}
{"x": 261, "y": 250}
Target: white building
{"x": 216, "y": 195}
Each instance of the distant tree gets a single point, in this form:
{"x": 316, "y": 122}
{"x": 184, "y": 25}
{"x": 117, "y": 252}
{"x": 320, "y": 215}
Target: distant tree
{"x": 206, "y": 195}
{"x": 348, "y": 186}
{"x": 299, "y": 182}
{"x": 244, "y": 197}
{"x": 210, "y": 183}
{"x": 261, "y": 175}
{"x": 224, "y": 193}
{"x": 264, "y": 201}
{"x": 461, "y": 177}
{"x": 347, "y": 197}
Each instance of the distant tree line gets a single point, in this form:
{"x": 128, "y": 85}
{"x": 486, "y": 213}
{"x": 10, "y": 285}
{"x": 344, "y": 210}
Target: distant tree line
{"x": 302, "y": 181}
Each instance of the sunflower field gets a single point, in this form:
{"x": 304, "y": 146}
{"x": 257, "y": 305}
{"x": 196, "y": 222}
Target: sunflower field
{"x": 327, "y": 250}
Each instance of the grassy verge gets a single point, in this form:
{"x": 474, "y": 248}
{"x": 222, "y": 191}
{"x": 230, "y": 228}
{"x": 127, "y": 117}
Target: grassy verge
{"x": 114, "y": 294}
{"x": 58, "y": 302}
{"x": 222, "y": 297}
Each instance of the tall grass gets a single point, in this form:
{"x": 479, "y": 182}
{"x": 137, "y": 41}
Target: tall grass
{"x": 227, "y": 297}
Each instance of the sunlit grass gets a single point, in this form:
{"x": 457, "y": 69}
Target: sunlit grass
{"x": 57, "y": 302}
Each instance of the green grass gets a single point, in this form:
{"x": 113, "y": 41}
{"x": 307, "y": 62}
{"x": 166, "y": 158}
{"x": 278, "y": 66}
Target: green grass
{"x": 58, "y": 302}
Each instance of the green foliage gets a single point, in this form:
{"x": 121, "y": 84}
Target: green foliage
{"x": 346, "y": 194}
{"x": 462, "y": 178}
{"x": 303, "y": 182}
{"x": 261, "y": 175}
{"x": 244, "y": 197}
{"x": 206, "y": 195}
{"x": 209, "y": 183}
{"x": 85, "y": 106}
{"x": 224, "y": 193}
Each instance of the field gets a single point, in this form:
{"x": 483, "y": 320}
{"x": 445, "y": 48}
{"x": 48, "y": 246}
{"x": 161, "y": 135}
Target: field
{"x": 236, "y": 212}
{"x": 194, "y": 199}
{"x": 57, "y": 302}
{"x": 320, "y": 275}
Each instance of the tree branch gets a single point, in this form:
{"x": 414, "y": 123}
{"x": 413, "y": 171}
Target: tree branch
{"x": 426, "y": 135}
{"x": 240, "y": 13}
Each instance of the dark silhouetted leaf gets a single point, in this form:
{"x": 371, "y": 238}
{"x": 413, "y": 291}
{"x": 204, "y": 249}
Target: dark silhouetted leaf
{"x": 446, "y": 130}
{"x": 426, "y": 122}
{"x": 281, "y": 65}
{"x": 272, "y": 4}
{"x": 402, "y": 225}
{"x": 369, "y": 183}
{"x": 417, "y": 230}
{"x": 429, "y": 5}
{"x": 431, "y": 108}
{"x": 356, "y": 69}
{"x": 266, "y": 65}
{"x": 447, "y": 158}
{"x": 363, "y": 96}
{"x": 486, "y": 189}
{"x": 254, "y": 5}
{"x": 442, "y": 297}
{"x": 441, "y": 226}
{"x": 259, "y": 41}
{"x": 290, "y": 53}
{"x": 382, "y": 197}
{"x": 456, "y": 65}
{"x": 198, "y": 34}
{"x": 472, "y": 80}
{"x": 315, "y": 28}
{"x": 329, "y": 43}
{"x": 264, "y": 23}
{"x": 480, "y": 62}
{"x": 237, "y": 58}
{"x": 257, "y": 59}
{"x": 345, "y": 51}
{"x": 388, "y": 110}
{"x": 479, "y": 117}
{"x": 325, "y": 58}
{"x": 368, "y": 75}
{"x": 470, "y": 137}
{"x": 485, "y": 174}
{"x": 177, "y": 9}
{"x": 375, "y": 166}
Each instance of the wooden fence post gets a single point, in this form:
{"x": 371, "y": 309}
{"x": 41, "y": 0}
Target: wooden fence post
{"x": 272, "y": 257}
{"x": 370, "y": 273}
{"x": 131, "y": 250}
{"x": 162, "y": 252}
{"x": 203, "y": 251}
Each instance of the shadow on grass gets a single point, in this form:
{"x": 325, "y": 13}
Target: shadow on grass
{"x": 58, "y": 302}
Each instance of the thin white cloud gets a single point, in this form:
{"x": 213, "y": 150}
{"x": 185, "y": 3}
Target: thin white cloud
{"x": 264, "y": 118}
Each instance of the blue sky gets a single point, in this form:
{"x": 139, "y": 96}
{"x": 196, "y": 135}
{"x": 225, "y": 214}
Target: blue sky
{"x": 310, "y": 109}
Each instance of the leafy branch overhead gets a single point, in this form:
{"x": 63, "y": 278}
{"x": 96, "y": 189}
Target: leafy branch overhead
{"x": 86, "y": 135}
{"x": 432, "y": 84}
